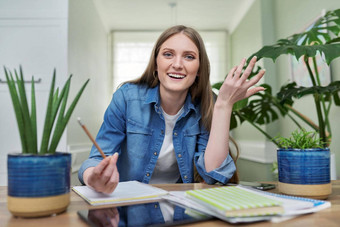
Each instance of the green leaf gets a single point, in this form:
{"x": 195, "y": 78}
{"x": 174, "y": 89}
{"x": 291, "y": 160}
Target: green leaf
{"x": 58, "y": 130}
{"x": 47, "y": 125}
{"x": 330, "y": 51}
{"x": 64, "y": 120}
{"x": 240, "y": 104}
{"x": 298, "y": 92}
{"x": 17, "y": 109}
{"x": 34, "y": 116}
{"x": 300, "y": 139}
{"x": 25, "y": 112}
{"x": 217, "y": 85}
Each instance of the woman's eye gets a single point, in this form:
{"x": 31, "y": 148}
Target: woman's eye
{"x": 167, "y": 54}
{"x": 190, "y": 57}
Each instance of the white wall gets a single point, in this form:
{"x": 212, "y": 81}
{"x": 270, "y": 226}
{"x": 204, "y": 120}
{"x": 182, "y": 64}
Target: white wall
{"x": 87, "y": 59}
{"x": 34, "y": 35}
{"x": 42, "y": 35}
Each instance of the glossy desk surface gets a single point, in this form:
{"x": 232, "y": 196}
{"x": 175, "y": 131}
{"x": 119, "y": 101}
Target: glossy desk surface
{"x": 327, "y": 217}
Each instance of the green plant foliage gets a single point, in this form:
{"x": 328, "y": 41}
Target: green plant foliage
{"x": 300, "y": 139}
{"x": 329, "y": 91}
{"x": 308, "y": 43}
{"x": 27, "y": 120}
{"x": 322, "y": 37}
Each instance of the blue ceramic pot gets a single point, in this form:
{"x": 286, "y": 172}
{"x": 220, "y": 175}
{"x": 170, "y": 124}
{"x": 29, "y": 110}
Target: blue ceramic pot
{"x": 38, "y": 185}
{"x": 38, "y": 175}
{"x": 305, "y": 167}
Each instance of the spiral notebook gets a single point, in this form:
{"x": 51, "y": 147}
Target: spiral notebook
{"x": 129, "y": 191}
{"x": 232, "y": 201}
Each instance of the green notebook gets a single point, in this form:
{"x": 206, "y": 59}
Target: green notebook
{"x": 232, "y": 201}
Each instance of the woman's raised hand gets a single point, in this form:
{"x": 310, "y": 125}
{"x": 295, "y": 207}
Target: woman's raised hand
{"x": 105, "y": 176}
{"x": 236, "y": 86}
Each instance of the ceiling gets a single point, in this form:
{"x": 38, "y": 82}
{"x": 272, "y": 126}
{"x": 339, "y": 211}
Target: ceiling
{"x": 160, "y": 14}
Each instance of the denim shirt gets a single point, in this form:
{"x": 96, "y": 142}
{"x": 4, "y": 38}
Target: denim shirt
{"x": 134, "y": 127}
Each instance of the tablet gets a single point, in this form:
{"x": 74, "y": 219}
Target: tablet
{"x": 147, "y": 214}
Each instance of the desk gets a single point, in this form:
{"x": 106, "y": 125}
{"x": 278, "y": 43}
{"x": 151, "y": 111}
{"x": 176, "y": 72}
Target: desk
{"x": 327, "y": 217}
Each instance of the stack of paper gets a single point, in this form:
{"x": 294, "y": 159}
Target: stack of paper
{"x": 241, "y": 204}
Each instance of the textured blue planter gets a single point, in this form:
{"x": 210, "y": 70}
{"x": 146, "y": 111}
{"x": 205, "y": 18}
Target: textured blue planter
{"x": 309, "y": 166}
{"x": 42, "y": 177}
{"x": 304, "y": 172}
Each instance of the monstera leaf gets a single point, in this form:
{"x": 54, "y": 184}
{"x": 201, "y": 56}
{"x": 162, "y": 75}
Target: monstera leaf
{"x": 316, "y": 39}
{"x": 329, "y": 51}
{"x": 286, "y": 95}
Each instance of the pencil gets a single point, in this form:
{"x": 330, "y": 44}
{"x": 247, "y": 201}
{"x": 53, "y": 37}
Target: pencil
{"x": 91, "y": 138}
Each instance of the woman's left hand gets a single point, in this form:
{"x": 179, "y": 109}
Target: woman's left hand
{"x": 236, "y": 86}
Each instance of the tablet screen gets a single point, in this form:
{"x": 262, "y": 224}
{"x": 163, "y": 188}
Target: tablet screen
{"x": 147, "y": 214}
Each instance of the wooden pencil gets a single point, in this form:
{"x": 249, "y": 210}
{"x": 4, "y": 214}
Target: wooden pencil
{"x": 91, "y": 138}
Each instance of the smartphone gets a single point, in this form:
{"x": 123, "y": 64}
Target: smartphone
{"x": 258, "y": 185}
{"x": 140, "y": 215}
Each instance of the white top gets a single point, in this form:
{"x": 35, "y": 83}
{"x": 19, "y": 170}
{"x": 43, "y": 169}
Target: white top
{"x": 166, "y": 169}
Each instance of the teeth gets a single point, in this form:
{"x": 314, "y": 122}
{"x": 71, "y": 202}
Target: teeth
{"x": 176, "y": 76}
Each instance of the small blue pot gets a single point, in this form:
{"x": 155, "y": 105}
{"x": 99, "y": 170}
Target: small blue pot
{"x": 304, "y": 167}
{"x": 38, "y": 175}
{"x": 38, "y": 185}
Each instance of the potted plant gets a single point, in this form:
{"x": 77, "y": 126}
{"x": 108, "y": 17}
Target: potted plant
{"x": 303, "y": 165}
{"x": 322, "y": 37}
{"x": 39, "y": 178}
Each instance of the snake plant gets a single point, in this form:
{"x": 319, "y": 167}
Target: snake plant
{"x": 57, "y": 115}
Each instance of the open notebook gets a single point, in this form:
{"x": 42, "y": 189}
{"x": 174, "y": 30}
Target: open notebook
{"x": 128, "y": 191}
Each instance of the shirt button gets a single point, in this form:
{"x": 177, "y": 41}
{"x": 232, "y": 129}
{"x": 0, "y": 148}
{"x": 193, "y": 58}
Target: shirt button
{"x": 156, "y": 206}
{"x": 179, "y": 155}
{"x": 162, "y": 131}
{"x": 155, "y": 153}
{"x": 175, "y": 134}
{"x": 148, "y": 174}
{"x": 185, "y": 177}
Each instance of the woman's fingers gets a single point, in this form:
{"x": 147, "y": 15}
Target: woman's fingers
{"x": 101, "y": 166}
{"x": 239, "y": 68}
{"x": 112, "y": 183}
{"x": 257, "y": 78}
{"x": 236, "y": 72}
{"x": 249, "y": 69}
{"x": 107, "y": 172}
{"x": 105, "y": 176}
{"x": 237, "y": 86}
{"x": 254, "y": 81}
{"x": 231, "y": 73}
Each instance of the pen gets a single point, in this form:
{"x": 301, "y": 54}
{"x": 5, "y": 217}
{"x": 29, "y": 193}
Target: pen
{"x": 91, "y": 138}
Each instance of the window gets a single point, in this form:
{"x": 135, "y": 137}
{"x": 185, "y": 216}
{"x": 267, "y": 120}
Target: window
{"x": 132, "y": 50}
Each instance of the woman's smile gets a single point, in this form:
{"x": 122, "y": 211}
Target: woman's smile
{"x": 176, "y": 76}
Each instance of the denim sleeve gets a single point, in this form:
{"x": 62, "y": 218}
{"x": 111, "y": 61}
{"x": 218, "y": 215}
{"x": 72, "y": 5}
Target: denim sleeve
{"x": 111, "y": 133}
{"x": 221, "y": 174}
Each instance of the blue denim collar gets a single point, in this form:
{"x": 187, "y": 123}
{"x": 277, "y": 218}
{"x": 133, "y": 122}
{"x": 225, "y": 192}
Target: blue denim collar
{"x": 153, "y": 96}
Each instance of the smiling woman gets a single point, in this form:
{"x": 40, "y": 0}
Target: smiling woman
{"x": 183, "y": 129}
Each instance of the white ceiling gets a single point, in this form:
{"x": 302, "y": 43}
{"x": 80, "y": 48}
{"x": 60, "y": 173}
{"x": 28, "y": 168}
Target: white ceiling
{"x": 160, "y": 14}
